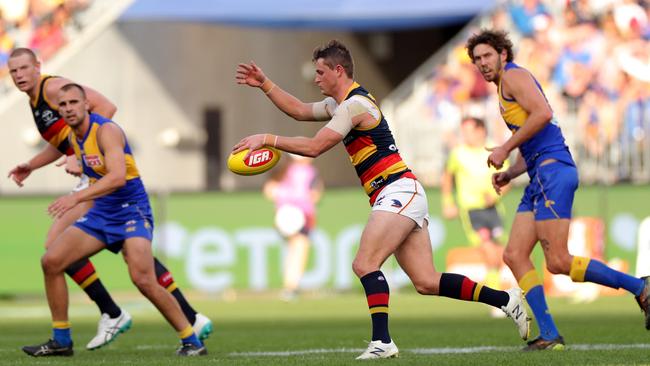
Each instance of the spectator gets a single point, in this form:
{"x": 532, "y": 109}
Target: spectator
{"x": 526, "y": 14}
{"x": 6, "y": 45}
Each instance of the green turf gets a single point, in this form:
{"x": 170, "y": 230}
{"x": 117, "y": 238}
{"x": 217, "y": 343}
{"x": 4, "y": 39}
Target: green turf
{"x": 324, "y": 321}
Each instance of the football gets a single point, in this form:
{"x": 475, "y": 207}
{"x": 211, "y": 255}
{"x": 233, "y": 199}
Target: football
{"x": 260, "y": 161}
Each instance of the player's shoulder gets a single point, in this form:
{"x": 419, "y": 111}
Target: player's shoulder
{"x": 55, "y": 81}
{"x": 105, "y": 124}
{"x": 95, "y": 117}
{"x": 359, "y": 102}
{"x": 515, "y": 75}
{"x": 52, "y": 85}
{"x": 330, "y": 104}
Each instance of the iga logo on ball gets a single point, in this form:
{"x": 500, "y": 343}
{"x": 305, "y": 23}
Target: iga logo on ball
{"x": 258, "y": 162}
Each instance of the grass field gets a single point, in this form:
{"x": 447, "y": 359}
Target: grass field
{"x": 329, "y": 329}
{"x": 323, "y": 327}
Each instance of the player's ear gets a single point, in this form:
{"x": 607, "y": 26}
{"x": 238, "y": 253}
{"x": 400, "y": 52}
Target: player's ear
{"x": 340, "y": 70}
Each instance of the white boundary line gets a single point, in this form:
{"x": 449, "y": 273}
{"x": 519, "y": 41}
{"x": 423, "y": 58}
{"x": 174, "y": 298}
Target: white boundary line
{"x": 444, "y": 350}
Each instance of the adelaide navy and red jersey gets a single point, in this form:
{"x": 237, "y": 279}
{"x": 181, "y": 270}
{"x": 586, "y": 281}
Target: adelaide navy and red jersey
{"x": 373, "y": 152}
{"x": 49, "y": 122}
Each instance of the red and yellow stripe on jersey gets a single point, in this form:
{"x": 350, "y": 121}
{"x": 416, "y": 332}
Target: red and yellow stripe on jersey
{"x": 48, "y": 121}
{"x": 373, "y": 152}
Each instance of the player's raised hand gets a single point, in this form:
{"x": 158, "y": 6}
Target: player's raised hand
{"x": 250, "y": 74}
{"x": 20, "y": 173}
{"x": 500, "y": 179}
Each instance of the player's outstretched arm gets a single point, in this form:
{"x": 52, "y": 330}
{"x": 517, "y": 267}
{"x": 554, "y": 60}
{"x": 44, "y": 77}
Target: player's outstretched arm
{"x": 311, "y": 147}
{"x": 100, "y": 104}
{"x": 47, "y": 155}
{"x": 252, "y": 75}
{"x": 97, "y": 102}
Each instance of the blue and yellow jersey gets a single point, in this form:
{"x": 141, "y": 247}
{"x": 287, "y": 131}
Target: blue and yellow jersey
{"x": 548, "y": 143}
{"x": 91, "y": 156}
{"x": 373, "y": 152}
{"x": 48, "y": 121}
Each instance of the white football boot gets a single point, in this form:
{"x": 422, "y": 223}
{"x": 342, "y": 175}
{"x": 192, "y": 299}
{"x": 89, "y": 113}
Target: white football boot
{"x": 202, "y": 326}
{"x": 108, "y": 329}
{"x": 378, "y": 349}
{"x": 516, "y": 309}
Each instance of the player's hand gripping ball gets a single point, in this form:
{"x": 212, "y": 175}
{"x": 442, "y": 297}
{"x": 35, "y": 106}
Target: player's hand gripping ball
{"x": 258, "y": 162}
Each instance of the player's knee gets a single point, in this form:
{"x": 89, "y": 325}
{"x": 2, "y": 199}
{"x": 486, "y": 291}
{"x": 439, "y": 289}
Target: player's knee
{"x": 426, "y": 287}
{"x": 51, "y": 264}
{"x": 145, "y": 283}
{"x": 558, "y": 265}
{"x": 362, "y": 267}
{"x": 512, "y": 255}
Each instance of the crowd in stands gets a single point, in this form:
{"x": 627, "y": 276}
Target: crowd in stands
{"x": 42, "y": 25}
{"x": 593, "y": 60}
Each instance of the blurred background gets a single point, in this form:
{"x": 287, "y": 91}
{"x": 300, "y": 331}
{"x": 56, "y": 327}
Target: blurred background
{"x": 170, "y": 66}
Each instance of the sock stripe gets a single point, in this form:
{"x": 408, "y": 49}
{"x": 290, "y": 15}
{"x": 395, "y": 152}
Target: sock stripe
{"x": 377, "y": 299}
{"x": 188, "y": 331}
{"x": 82, "y": 274}
{"x": 477, "y": 292}
{"x": 529, "y": 280}
{"x": 467, "y": 289}
{"x": 88, "y": 281}
{"x": 61, "y": 324}
{"x": 379, "y": 309}
{"x": 579, "y": 268}
{"x": 165, "y": 280}
{"x": 172, "y": 287}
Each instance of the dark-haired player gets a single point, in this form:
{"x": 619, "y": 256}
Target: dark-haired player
{"x": 399, "y": 217}
{"x": 544, "y": 213}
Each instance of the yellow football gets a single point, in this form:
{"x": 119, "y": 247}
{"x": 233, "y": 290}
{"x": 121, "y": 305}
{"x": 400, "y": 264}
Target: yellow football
{"x": 258, "y": 162}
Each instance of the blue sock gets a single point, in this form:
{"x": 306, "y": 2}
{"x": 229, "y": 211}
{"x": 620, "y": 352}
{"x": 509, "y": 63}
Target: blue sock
{"x": 537, "y": 302}
{"x": 193, "y": 339}
{"x": 601, "y": 274}
{"x": 62, "y": 336}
